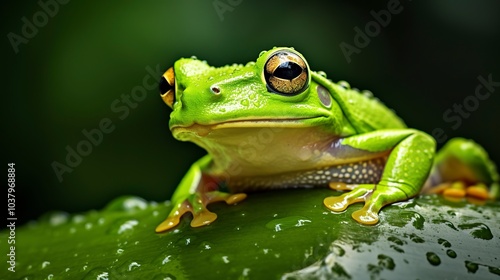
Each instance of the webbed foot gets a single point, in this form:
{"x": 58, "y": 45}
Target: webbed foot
{"x": 196, "y": 204}
{"x": 476, "y": 193}
{"x": 374, "y": 196}
{"x": 462, "y": 169}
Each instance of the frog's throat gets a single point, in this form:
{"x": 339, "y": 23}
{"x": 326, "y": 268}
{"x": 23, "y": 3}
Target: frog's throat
{"x": 204, "y": 129}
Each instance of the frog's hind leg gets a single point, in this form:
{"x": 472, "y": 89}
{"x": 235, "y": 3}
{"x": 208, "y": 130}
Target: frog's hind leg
{"x": 462, "y": 169}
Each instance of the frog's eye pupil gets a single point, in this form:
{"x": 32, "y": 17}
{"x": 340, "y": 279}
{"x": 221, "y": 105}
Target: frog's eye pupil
{"x": 288, "y": 70}
{"x": 167, "y": 87}
{"x": 286, "y": 73}
{"x": 164, "y": 85}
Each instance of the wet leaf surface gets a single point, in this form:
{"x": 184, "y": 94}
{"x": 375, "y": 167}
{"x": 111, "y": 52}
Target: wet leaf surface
{"x": 271, "y": 235}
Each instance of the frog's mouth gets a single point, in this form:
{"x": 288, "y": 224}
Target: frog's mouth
{"x": 205, "y": 129}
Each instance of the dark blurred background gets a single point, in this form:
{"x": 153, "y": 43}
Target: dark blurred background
{"x": 73, "y": 65}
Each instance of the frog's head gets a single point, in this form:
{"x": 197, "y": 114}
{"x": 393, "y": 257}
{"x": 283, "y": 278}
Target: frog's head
{"x": 277, "y": 91}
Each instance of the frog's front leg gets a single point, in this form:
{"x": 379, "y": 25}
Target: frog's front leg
{"x": 408, "y": 164}
{"x": 193, "y": 194}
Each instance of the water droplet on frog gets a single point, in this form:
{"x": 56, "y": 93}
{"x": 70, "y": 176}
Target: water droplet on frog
{"x": 322, "y": 74}
{"x": 344, "y": 84}
{"x": 251, "y": 63}
{"x": 304, "y": 154}
{"x": 433, "y": 259}
{"x": 262, "y": 53}
{"x": 245, "y": 102}
{"x": 210, "y": 78}
{"x": 215, "y": 90}
{"x": 367, "y": 93}
{"x": 194, "y": 57}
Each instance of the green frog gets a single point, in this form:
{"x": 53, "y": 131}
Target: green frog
{"x": 276, "y": 124}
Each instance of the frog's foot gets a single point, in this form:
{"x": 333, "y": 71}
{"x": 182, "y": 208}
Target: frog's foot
{"x": 374, "y": 196}
{"x": 196, "y": 204}
{"x": 458, "y": 190}
{"x": 462, "y": 169}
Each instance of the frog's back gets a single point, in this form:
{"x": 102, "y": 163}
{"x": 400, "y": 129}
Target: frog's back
{"x": 364, "y": 111}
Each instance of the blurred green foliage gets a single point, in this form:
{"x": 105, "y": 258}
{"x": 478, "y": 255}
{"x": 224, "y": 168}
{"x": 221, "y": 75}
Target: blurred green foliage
{"x": 91, "y": 54}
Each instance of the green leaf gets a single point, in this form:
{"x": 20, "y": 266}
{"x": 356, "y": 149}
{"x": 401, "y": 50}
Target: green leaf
{"x": 284, "y": 234}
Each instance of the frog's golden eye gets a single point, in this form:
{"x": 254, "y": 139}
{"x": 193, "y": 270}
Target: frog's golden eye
{"x": 286, "y": 73}
{"x": 167, "y": 87}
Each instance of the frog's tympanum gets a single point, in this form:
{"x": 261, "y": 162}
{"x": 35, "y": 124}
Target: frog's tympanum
{"x": 276, "y": 124}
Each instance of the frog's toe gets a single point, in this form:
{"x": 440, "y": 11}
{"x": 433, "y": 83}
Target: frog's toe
{"x": 174, "y": 217}
{"x": 458, "y": 190}
{"x": 201, "y": 215}
{"x": 230, "y": 199}
{"x": 366, "y": 216}
{"x": 196, "y": 205}
{"x": 340, "y": 203}
{"x": 479, "y": 191}
{"x": 203, "y": 218}
{"x": 169, "y": 223}
{"x": 374, "y": 196}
